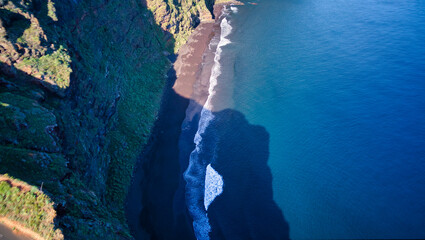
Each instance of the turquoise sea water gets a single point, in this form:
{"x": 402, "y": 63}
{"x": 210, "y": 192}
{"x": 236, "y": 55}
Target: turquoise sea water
{"x": 326, "y": 107}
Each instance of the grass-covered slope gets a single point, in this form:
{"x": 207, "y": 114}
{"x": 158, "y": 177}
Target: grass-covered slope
{"x": 26, "y": 207}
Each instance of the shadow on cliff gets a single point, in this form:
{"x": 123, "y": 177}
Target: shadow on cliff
{"x": 14, "y": 80}
{"x": 17, "y": 82}
{"x": 245, "y": 209}
{"x": 15, "y": 24}
{"x": 149, "y": 209}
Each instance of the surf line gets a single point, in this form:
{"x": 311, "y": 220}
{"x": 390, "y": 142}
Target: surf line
{"x": 203, "y": 182}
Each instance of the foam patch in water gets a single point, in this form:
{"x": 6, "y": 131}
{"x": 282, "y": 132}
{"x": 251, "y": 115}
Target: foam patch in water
{"x": 213, "y": 186}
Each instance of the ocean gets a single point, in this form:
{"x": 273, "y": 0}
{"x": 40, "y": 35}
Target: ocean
{"x": 314, "y": 126}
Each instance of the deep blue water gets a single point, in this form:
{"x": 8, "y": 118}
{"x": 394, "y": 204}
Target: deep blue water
{"x": 324, "y": 132}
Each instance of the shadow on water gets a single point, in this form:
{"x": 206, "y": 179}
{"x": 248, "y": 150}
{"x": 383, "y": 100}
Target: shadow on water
{"x": 245, "y": 209}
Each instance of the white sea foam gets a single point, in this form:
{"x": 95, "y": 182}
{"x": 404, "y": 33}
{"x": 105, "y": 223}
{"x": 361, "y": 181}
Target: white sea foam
{"x": 234, "y": 9}
{"x": 199, "y": 173}
{"x": 213, "y": 186}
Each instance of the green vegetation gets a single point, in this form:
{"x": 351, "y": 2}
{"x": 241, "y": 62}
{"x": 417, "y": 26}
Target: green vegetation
{"x": 31, "y": 36}
{"x": 53, "y": 68}
{"x": 30, "y": 165}
{"x": 24, "y": 43}
{"x": 28, "y": 206}
{"x": 180, "y": 19}
{"x": 52, "y": 10}
{"x": 26, "y": 124}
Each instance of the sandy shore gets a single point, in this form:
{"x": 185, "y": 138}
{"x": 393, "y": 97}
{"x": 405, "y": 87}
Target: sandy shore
{"x": 155, "y": 204}
{"x": 195, "y": 60}
{"x": 10, "y": 230}
{"x": 187, "y": 65}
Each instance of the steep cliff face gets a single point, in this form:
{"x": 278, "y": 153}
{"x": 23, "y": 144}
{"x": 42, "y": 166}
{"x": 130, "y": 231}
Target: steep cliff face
{"x": 179, "y": 18}
{"x": 80, "y": 87}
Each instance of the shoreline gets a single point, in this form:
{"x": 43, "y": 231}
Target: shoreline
{"x": 155, "y": 203}
{"x": 14, "y": 230}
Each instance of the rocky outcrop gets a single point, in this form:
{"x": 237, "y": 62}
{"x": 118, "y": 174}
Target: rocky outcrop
{"x": 179, "y": 19}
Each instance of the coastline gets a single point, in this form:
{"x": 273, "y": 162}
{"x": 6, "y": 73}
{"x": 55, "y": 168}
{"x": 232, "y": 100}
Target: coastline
{"x": 13, "y": 230}
{"x": 155, "y": 203}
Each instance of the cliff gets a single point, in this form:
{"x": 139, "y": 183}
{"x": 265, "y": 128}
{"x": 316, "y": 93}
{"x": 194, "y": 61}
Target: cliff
{"x": 80, "y": 88}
